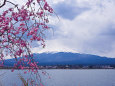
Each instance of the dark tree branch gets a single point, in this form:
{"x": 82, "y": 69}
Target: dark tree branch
{"x": 3, "y": 4}
{"x": 12, "y": 3}
{"x": 8, "y": 2}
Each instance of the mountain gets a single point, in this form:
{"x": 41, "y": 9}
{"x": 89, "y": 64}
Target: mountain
{"x": 67, "y": 58}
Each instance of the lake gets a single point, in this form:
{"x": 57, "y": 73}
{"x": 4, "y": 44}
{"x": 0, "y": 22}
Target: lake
{"x": 64, "y": 77}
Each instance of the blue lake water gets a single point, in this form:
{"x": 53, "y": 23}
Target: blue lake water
{"x": 64, "y": 77}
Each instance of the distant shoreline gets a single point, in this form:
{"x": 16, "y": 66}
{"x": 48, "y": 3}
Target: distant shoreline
{"x": 59, "y": 68}
{"x": 65, "y": 67}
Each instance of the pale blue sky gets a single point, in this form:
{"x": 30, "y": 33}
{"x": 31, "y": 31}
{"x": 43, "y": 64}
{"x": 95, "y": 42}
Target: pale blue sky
{"x": 84, "y": 26}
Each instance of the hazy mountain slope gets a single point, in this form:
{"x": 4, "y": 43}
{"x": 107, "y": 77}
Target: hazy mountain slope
{"x": 64, "y": 58}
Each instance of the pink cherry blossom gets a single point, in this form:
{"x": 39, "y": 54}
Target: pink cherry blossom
{"x": 19, "y": 27}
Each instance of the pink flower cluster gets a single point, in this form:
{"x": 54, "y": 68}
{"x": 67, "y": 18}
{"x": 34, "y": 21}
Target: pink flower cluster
{"x": 19, "y": 26}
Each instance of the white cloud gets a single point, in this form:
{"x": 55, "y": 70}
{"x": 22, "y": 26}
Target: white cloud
{"x": 84, "y": 33}
{"x": 52, "y": 46}
{"x": 52, "y": 2}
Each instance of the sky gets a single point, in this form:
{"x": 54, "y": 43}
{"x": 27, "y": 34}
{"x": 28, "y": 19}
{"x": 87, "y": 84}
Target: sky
{"x": 84, "y": 26}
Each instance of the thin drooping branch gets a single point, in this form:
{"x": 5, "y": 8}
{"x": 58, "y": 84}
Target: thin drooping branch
{"x": 3, "y": 3}
{"x": 17, "y": 33}
{"x": 19, "y": 27}
{"x": 12, "y": 3}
